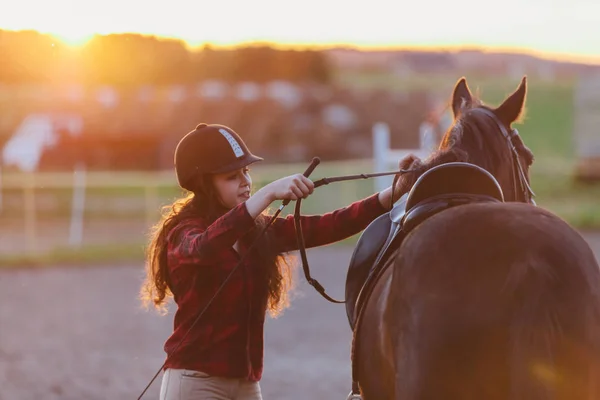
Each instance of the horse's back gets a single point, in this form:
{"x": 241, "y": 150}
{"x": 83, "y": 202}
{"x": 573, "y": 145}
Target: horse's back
{"x": 494, "y": 300}
{"x": 502, "y": 233}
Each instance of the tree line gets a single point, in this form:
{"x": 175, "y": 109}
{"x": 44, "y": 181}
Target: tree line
{"x": 29, "y": 57}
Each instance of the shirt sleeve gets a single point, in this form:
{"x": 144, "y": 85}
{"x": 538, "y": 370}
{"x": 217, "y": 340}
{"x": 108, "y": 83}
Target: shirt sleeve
{"x": 191, "y": 243}
{"x": 319, "y": 230}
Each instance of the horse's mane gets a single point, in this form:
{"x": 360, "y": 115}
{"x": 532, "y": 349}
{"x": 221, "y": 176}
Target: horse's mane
{"x": 475, "y": 137}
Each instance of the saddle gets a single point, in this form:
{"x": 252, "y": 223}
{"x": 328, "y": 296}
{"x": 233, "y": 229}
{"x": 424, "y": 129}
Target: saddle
{"x": 440, "y": 188}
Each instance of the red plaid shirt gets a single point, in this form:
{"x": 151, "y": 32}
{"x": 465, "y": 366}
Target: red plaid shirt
{"x": 228, "y": 339}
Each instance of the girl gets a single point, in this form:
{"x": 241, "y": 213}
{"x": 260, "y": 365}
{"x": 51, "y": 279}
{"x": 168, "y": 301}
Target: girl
{"x": 202, "y": 238}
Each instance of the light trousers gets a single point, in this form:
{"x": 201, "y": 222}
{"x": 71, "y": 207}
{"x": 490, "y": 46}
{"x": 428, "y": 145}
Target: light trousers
{"x": 185, "y": 384}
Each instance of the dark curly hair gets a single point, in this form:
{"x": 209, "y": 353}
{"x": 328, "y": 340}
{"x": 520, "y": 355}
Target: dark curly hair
{"x": 277, "y": 268}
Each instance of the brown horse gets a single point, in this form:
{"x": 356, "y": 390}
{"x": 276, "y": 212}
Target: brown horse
{"x": 484, "y": 301}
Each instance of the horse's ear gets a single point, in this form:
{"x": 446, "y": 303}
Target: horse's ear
{"x": 461, "y": 97}
{"x": 511, "y": 109}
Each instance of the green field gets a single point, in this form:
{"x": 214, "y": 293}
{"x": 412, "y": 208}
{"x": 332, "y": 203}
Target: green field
{"x": 546, "y": 129}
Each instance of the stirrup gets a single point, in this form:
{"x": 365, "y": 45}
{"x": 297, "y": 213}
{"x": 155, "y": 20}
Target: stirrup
{"x": 353, "y": 396}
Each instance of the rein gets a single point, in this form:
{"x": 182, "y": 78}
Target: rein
{"x": 300, "y": 239}
{"x": 298, "y": 226}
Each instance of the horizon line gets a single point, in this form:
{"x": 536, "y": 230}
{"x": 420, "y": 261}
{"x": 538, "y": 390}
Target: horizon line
{"x": 194, "y": 45}
{"x": 546, "y": 55}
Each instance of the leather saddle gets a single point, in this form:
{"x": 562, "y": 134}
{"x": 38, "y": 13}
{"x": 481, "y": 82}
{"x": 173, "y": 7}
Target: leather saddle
{"x": 438, "y": 189}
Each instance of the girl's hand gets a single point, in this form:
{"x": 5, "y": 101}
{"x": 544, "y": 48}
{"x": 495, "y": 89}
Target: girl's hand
{"x": 291, "y": 187}
{"x": 403, "y": 185}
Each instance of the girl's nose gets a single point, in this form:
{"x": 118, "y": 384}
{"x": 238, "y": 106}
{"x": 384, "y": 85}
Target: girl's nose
{"x": 245, "y": 180}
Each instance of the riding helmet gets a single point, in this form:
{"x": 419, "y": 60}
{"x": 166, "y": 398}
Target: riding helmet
{"x": 210, "y": 149}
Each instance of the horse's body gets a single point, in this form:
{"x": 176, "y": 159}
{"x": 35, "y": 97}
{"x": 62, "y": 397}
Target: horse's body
{"x": 484, "y": 301}
{"x": 496, "y": 300}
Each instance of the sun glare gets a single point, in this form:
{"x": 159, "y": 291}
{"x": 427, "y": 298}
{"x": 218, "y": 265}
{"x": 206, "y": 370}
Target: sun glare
{"x": 73, "y": 38}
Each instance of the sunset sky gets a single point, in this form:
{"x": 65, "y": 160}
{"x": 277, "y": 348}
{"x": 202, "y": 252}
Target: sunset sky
{"x": 564, "y": 28}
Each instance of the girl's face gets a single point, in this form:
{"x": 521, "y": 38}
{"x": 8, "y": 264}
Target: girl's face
{"x": 233, "y": 187}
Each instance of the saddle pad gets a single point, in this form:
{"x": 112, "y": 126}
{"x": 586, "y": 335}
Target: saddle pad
{"x": 363, "y": 259}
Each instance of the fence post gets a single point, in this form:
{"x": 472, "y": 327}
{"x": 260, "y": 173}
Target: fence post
{"x": 30, "y": 223}
{"x": 77, "y": 206}
{"x": 381, "y": 145}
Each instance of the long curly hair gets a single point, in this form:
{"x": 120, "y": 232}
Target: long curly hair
{"x": 276, "y": 268}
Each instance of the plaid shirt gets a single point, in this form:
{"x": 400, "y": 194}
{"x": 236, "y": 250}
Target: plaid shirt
{"x": 228, "y": 339}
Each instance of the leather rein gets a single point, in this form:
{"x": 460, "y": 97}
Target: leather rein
{"x": 298, "y": 226}
{"x": 519, "y": 182}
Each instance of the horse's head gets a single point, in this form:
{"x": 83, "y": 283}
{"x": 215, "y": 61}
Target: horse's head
{"x": 484, "y": 136}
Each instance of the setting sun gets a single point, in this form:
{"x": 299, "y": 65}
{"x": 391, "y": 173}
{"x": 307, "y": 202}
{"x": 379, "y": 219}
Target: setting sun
{"x": 73, "y": 38}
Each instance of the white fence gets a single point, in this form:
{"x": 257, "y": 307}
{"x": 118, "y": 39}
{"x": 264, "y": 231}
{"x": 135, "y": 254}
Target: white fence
{"x": 78, "y": 181}
{"x": 384, "y": 157}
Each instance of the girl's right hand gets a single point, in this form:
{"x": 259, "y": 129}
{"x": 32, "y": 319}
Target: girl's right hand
{"x": 291, "y": 187}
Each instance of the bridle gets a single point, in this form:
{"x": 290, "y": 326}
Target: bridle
{"x": 299, "y": 237}
{"x": 518, "y": 174}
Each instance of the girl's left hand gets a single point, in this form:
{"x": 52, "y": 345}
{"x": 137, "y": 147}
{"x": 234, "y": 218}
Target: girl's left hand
{"x": 406, "y": 180}
{"x": 404, "y": 183}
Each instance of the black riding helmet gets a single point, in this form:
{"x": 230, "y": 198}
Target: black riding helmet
{"x": 210, "y": 149}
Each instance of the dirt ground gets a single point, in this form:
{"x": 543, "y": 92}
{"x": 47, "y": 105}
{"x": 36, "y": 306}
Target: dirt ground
{"x": 80, "y": 334}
